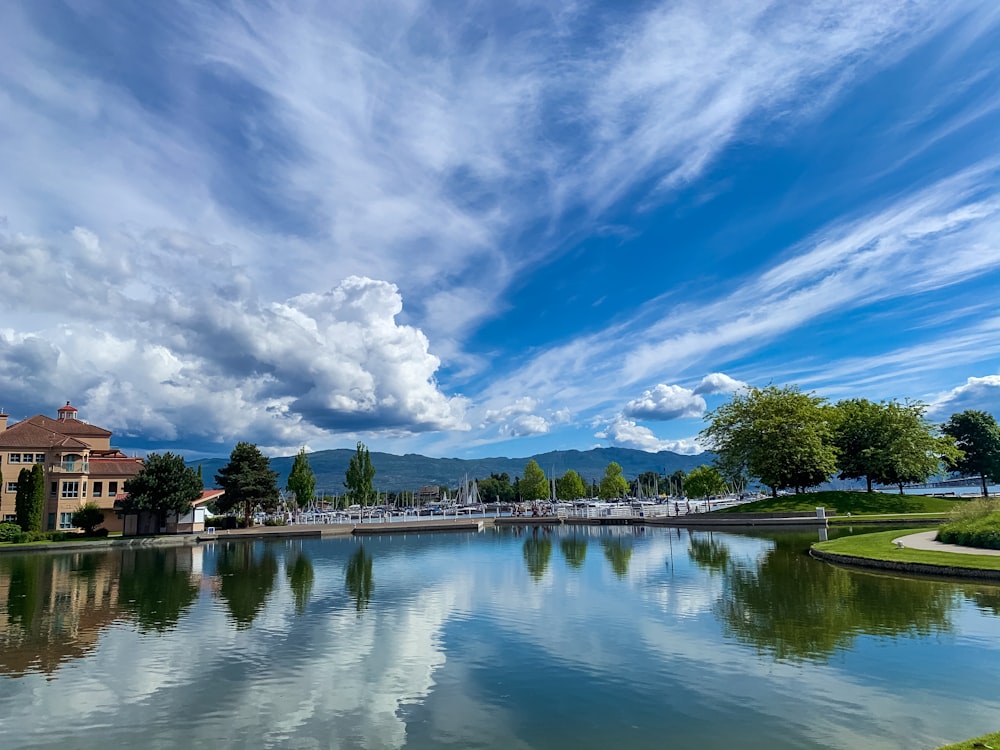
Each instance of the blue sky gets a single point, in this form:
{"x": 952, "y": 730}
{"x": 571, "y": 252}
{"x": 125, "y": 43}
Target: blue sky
{"x": 466, "y": 229}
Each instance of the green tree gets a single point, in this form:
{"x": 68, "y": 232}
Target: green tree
{"x": 977, "y": 436}
{"x": 359, "y": 476}
{"x": 570, "y": 486}
{"x": 301, "y": 480}
{"x": 780, "y": 436}
{"x": 496, "y": 487}
{"x": 676, "y": 482}
{"x": 163, "y": 485}
{"x": 534, "y": 485}
{"x": 886, "y": 443}
{"x": 249, "y": 482}
{"x": 704, "y": 481}
{"x": 613, "y": 483}
{"x": 29, "y": 502}
{"x": 88, "y": 517}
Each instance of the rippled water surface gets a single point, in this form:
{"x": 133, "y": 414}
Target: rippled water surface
{"x": 586, "y": 638}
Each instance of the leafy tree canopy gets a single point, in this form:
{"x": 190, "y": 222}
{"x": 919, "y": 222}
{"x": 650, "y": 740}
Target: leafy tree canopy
{"x": 88, "y": 517}
{"x": 359, "y": 476}
{"x": 570, "y": 486}
{"x": 977, "y": 437}
{"x": 163, "y": 485}
{"x": 248, "y": 481}
{"x": 301, "y": 480}
{"x": 781, "y": 436}
{"x": 704, "y": 481}
{"x": 613, "y": 483}
{"x": 534, "y": 485}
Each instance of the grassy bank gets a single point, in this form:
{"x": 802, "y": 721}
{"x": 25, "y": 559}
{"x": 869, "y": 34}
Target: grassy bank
{"x": 855, "y": 503}
{"x": 879, "y": 546}
{"x": 988, "y": 740}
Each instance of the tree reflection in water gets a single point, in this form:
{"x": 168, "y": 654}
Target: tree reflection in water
{"x": 537, "y": 552}
{"x": 359, "y": 579}
{"x": 247, "y": 576}
{"x": 798, "y": 608}
{"x": 154, "y": 589}
{"x": 300, "y": 579}
{"x": 709, "y": 553}
{"x": 618, "y": 554}
{"x": 574, "y": 550}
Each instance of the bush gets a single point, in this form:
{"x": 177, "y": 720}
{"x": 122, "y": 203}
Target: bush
{"x": 274, "y": 522}
{"x": 9, "y": 532}
{"x": 87, "y": 517}
{"x": 973, "y": 530}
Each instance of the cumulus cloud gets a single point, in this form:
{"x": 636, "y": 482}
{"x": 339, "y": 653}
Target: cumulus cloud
{"x": 665, "y": 402}
{"x": 626, "y": 433}
{"x": 981, "y": 393}
{"x": 718, "y": 382}
{"x": 519, "y": 419}
{"x": 209, "y": 359}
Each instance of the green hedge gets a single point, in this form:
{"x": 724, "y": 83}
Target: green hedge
{"x": 9, "y": 532}
{"x": 982, "y": 532}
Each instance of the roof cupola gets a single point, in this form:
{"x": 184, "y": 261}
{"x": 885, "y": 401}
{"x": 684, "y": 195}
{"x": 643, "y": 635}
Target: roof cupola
{"x": 67, "y": 412}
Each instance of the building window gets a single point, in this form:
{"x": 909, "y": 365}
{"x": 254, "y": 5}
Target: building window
{"x": 112, "y": 489}
{"x": 53, "y": 488}
{"x": 11, "y": 487}
{"x": 14, "y": 458}
{"x": 83, "y": 490}
{"x": 65, "y": 520}
{"x": 39, "y": 458}
{"x": 98, "y": 489}
{"x": 70, "y": 489}
{"x": 9, "y": 518}
{"x": 52, "y": 521}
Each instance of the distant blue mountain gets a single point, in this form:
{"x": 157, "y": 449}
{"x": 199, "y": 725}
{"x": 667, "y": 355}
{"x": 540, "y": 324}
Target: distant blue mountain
{"x": 411, "y": 471}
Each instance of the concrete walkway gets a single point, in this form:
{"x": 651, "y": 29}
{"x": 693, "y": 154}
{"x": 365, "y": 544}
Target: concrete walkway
{"x": 925, "y": 540}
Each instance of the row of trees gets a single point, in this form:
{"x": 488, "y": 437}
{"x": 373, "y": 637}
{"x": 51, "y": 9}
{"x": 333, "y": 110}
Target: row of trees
{"x": 787, "y": 439}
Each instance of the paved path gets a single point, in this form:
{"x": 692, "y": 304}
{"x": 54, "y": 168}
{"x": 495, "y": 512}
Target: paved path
{"x": 925, "y": 540}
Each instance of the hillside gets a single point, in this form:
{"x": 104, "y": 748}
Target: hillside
{"x": 412, "y": 471}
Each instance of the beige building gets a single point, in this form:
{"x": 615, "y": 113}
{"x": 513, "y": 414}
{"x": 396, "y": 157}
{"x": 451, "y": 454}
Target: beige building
{"x": 80, "y": 466}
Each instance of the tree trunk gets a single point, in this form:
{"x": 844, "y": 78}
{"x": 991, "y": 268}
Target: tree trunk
{"x": 868, "y": 480}
{"x": 901, "y": 489}
{"x": 985, "y": 490}
{"x": 774, "y": 492}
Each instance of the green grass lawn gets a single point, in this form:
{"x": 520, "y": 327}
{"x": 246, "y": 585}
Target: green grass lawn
{"x": 989, "y": 740}
{"x": 855, "y": 503}
{"x": 879, "y": 546}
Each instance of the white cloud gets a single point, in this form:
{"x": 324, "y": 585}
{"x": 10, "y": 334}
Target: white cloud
{"x": 665, "y": 402}
{"x": 520, "y": 420}
{"x": 626, "y": 433}
{"x": 980, "y": 393}
{"x": 718, "y": 382}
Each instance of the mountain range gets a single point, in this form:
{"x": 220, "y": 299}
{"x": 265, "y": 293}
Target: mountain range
{"x": 412, "y": 471}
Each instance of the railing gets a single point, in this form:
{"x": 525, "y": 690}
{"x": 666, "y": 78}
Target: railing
{"x": 70, "y": 467}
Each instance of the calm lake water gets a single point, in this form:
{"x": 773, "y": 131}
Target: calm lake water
{"x": 595, "y": 638}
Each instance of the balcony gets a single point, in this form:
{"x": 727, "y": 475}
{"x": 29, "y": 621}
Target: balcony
{"x": 70, "y": 467}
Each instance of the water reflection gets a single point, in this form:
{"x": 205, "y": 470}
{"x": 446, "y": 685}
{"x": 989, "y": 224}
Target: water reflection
{"x": 574, "y": 550}
{"x": 709, "y": 553}
{"x": 247, "y": 574}
{"x": 618, "y": 554}
{"x": 359, "y": 579}
{"x": 790, "y": 605}
{"x": 537, "y": 552}
{"x": 300, "y": 579}
{"x": 156, "y": 587}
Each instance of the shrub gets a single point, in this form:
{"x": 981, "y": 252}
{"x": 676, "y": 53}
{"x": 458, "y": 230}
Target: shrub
{"x": 87, "y": 517}
{"x": 274, "y": 522}
{"x": 9, "y": 532}
{"x": 973, "y": 530}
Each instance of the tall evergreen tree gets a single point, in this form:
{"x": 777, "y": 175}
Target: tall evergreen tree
{"x": 249, "y": 482}
{"x": 359, "y": 476}
{"x": 301, "y": 480}
{"x": 27, "y": 505}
